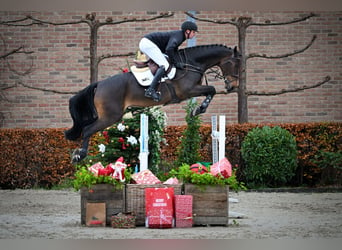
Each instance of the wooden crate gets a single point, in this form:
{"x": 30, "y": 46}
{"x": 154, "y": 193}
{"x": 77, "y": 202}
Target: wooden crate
{"x": 106, "y": 193}
{"x": 135, "y": 199}
{"x": 210, "y": 204}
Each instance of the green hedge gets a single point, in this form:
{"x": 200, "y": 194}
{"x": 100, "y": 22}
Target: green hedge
{"x": 41, "y": 157}
{"x": 311, "y": 138}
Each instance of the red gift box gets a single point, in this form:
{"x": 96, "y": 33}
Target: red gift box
{"x": 159, "y": 207}
{"x": 145, "y": 177}
{"x": 183, "y": 210}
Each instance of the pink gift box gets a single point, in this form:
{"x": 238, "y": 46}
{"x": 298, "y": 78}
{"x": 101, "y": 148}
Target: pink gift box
{"x": 145, "y": 177}
{"x": 183, "y": 210}
{"x": 95, "y": 168}
{"x": 222, "y": 167}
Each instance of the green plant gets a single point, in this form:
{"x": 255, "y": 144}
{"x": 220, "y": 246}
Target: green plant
{"x": 188, "y": 152}
{"x": 270, "y": 155}
{"x": 122, "y": 139}
{"x": 330, "y": 164}
{"x": 185, "y": 175}
{"x": 84, "y": 178}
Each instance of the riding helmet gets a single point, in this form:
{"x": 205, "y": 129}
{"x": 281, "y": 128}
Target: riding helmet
{"x": 188, "y": 25}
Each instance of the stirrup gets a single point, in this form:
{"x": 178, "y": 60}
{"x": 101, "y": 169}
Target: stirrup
{"x": 151, "y": 93}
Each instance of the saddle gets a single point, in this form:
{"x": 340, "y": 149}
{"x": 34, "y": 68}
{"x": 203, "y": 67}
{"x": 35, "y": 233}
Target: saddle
{"x": 145, "y": 68}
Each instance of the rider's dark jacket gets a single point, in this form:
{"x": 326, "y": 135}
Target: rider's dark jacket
{"x": 168, "y": 42}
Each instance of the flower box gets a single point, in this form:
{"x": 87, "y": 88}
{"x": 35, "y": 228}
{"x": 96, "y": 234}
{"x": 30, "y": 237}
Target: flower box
{"x": 135, "y": 199}
{"x": 112, "y": 196}
{"x": 210, "y": 204}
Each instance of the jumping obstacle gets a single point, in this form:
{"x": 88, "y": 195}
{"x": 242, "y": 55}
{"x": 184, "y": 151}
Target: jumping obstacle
{"x": 218, "y": 147}
{"x": 143, "y": 155}
{"x": 218, "y": 138}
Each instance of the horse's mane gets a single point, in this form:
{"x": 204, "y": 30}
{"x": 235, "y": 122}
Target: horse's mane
{"x": 202, "y": 47}
{"x": 200, "y": 50}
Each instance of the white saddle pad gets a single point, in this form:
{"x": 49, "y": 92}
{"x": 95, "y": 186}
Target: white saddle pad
{"x": 144, "y": 76}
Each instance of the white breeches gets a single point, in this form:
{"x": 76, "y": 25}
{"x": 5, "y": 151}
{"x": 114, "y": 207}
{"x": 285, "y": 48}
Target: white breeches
{"x": 153, "y": 52}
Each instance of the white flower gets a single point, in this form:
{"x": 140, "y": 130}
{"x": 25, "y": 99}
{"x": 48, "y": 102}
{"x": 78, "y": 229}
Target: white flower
{"x": 121, "y": 127}
{"x": 132, "y": 140}
{"x": 102, "y": 148}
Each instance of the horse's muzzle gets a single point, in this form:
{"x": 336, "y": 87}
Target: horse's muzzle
{"x": 231, "y": 82}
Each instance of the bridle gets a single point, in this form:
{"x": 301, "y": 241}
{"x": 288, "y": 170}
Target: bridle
{"x": 227, "y": 79}
{"x": 235, "y": 76}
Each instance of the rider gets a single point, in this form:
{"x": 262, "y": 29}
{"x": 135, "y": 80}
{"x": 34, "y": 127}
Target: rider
{"x": 157, "y": 43}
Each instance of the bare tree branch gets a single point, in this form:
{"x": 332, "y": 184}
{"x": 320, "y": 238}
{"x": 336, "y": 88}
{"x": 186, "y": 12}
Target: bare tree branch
{"x": 19, "y": 50}
{"x": 100, "y": 58}
{"x": 296, "y": 20}
{"x": 46, "y": 90}
{"x": 232, "y": 21}
{"x": 26, "y": 72}
{"x": 7, "y": 87}
{"x": 35, "y": 21}
{"x": 90, "y": 18}
{"x": 247, "y": 21}
{"x": 110, "y": 21}
{"x": 16, "y": 51}
{"x": 283, "y": 91}
{"x": 252, "y": 55}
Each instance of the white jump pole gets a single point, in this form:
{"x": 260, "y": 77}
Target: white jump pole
{"x": 222, "y": 137}
{"x": 215, "y": 137}
{"x": 218, "y": 137}
{"x": 143, "y": 156}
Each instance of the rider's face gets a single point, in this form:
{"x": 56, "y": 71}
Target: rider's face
{"x": 190, "y": 34}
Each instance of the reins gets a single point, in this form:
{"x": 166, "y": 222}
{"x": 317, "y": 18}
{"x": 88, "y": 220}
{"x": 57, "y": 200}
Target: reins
{"x": 188, "y": 67}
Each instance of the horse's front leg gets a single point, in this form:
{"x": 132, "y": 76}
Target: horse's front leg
{"x": 203, "y": 107}
{"x": 209, "y": 92}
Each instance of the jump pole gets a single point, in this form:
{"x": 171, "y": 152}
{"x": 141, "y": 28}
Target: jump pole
{"x": 143, "y": 155}
{"x": 218, "y": 137}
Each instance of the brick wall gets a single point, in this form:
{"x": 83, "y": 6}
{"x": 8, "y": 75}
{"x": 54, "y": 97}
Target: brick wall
{"x": 61, "y": 62}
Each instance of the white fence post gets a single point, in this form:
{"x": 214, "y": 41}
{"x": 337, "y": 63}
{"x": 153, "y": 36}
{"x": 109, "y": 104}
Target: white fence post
{"x": 222, "y": 137}
{"x": 218, "y": 138}
{"x": 143, "y": 156}
{"x": 215, "y": 137}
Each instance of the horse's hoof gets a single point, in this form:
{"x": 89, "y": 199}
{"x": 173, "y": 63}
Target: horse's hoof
{"x": 78, "y": 155}
{"x": 196, "y": 111}
{"x": 75, "y": 159}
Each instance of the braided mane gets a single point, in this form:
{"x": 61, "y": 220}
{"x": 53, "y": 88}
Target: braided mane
{"x": 201, "y": 47}
{"x": 200, "y": 51}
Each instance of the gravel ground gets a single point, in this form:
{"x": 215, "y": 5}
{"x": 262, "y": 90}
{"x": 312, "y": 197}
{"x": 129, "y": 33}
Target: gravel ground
{"x": 50, "y": 214}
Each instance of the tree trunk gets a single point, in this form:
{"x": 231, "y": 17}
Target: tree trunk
{"x": 242, "y": 97}
{"x": 93, "y": 53}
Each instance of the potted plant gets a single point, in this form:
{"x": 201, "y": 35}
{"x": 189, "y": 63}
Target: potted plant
{"x": 210, "y": 193}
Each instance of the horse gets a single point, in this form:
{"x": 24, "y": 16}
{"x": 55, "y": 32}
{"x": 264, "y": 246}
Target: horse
{"x": 103, "y": 103}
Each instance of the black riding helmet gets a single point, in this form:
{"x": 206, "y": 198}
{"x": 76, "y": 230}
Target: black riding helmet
{"x": 188, "y": 25}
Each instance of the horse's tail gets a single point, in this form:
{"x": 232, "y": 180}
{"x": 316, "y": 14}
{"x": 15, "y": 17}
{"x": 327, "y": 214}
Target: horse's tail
{"x": 82, "y": 111}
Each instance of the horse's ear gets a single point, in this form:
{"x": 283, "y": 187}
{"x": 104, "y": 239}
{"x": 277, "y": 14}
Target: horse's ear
{"x": 235, "y": 51}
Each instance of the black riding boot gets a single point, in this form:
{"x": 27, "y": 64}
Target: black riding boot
{"x": 151, "y": 91}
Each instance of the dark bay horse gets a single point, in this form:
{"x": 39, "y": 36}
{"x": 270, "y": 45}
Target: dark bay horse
{"x": 103, "y": 103}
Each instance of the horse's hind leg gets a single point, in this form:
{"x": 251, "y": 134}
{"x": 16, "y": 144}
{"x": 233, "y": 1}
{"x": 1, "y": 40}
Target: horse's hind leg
{"x": 88, "y": 131}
